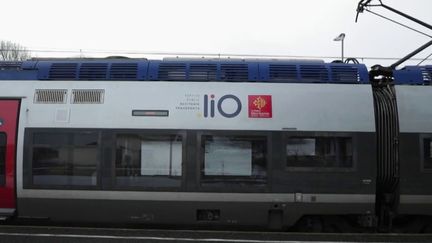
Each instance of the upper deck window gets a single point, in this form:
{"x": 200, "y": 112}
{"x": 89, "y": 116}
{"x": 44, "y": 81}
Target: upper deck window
{"x": 234, "y": 157}
{"x": 149, "y": 160}
{"x": 319, "y": 152}
{"x": 65, "y": 159}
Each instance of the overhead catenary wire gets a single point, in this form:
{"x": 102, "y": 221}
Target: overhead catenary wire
{"x": 396, "y": 22}
{"x": 83, "y": 52}
{"x": 426, "y": 58}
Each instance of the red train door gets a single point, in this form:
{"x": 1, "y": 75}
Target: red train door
{"x": 8, "y": 131}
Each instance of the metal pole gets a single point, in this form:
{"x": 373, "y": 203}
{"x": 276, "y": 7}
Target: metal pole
{"x": 342, "y": 50}
{"x": 341, "y": 38}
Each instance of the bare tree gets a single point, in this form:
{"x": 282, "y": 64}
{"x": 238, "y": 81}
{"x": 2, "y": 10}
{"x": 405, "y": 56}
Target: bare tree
{"x": 10, "y": 51}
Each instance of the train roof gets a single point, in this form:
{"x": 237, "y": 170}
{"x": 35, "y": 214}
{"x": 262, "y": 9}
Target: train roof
{"x": 202, "y": 70}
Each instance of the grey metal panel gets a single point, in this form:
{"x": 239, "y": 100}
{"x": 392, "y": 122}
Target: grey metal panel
{"x": 415, "y": 204}
{"x": 415, "y": 109}
{"x": 196, "y": 196}
{"x": 415, "y": 199}
{"x": 7, "y": 211}
{"x": 339, "y": 198}
{"x": 177, "y": 212}
{"x": 302, "y": 107}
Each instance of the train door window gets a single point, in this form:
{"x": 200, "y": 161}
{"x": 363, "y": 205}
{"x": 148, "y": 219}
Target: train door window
{"x": 65, "y": 159}
{"x": 2, "y": 159}
{"x": 319, "y": 152}
{"x": 427, "y": 154}
{"x": 234, "y": 157}
{"x": 150, "y": 161}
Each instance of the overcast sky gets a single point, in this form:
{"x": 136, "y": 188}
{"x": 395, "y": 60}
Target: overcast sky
{"x": 266, "y": 27}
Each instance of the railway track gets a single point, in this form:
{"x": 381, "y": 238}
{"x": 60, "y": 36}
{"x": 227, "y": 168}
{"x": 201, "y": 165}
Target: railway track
{"x": 31, "y": 233}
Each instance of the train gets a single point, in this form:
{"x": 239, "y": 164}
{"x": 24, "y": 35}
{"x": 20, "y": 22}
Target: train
{"x": 276, "y": 144}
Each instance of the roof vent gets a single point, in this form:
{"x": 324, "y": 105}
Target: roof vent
{"x": 280, "y": 72}
{"x": 93, "y": 71}
{"x": 172, "y": 71}
{"x": 202, "y": 72}
{"x": 123, "y": 71}
{"x": 345, "y": 74}
{"x": 234, "y": 72}
{"x": 314, "y": 73}
{"x": 50, "y": 96}
{"x": 10, "y": 65}
{"x": 88, "y": 96}
{"x": 427, "y": 75}
{"x": 63, "y": 71}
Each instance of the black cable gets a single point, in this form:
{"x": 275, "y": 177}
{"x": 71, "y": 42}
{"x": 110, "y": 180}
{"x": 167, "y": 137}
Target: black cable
{"x": 394, "y": 21}
{"x": 351, "y": 59}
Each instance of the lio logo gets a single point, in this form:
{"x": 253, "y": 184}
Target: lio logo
{"x": 213, "y": 105}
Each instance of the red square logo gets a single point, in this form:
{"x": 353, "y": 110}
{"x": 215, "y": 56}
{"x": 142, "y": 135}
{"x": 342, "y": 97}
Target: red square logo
{"x": 260, "y": 106}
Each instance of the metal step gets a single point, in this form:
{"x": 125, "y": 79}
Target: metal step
{"x": 6, "y": 213}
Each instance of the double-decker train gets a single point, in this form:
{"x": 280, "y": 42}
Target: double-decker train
{"x": 202, "y": 142}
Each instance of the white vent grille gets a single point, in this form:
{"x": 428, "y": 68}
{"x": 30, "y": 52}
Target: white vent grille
{"x": 88, "y": 96}
{"x": 50, "y": 96}
{"x": 427, "y": 75}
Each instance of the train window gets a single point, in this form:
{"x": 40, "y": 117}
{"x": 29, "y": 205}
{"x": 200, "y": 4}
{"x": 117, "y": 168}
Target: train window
{"x": 149, "y": 160}
{"x": 427, "y": 155}
{"x": 234, "y": 157}
{"x": 2, "y": 159}
{"x": 65, "y": 159}
{"x": 321, "y": 152}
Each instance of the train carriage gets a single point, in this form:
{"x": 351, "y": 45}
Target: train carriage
{"x": 212, "y": 142}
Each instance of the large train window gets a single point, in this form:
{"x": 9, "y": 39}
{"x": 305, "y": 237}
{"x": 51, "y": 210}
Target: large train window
{"x": 2, "y": 159}
{"x": 234, "y": 157}
{"x": 319, "y": 152}
{"x": 147, "y": 160}
{"x": 65, "y": 158}
{"x": 427, "y": 154}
